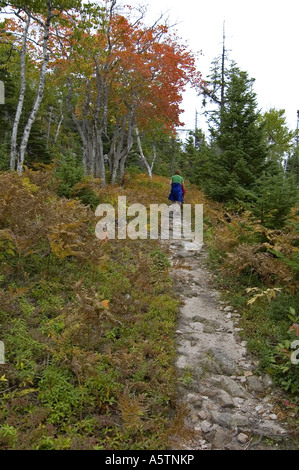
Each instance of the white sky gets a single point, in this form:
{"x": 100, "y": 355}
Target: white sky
{"x": 262, "y": 38}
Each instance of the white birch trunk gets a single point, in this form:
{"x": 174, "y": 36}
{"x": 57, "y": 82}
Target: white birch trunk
{"x": 40, "y": 93}
{"x": 143, "y": 158}
{"x": 14, "y": 134}
{"x": 49, "y": 126}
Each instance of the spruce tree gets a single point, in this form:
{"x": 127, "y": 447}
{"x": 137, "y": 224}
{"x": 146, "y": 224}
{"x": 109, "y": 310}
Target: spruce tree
{"x": 193, "y": 156}
{"x": 278, "y": 137}
{"x": 292, "y": 165}
{"x": 272, "y": 197}
{"x": 238, "y": 148}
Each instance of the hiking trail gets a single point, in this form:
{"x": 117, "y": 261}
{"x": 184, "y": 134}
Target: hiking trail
{"x": 227, "y": 405}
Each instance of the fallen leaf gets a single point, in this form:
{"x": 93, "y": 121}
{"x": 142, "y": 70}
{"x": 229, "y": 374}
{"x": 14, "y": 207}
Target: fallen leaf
{"x": 295, "y": 327}
{"x": 105, "y": 304}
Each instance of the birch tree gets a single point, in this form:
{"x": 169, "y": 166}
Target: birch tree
{"x": 41, "y": 14}
{"x": 148, "y": 165}
{"x": 14, "y": 135}
{"x": 40, "y": 92}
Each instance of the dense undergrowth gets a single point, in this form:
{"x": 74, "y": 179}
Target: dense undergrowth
{"x": 88, "y": 325}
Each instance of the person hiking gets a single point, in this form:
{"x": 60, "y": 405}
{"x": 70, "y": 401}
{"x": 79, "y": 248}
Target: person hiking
{"x": 177, "y": 189}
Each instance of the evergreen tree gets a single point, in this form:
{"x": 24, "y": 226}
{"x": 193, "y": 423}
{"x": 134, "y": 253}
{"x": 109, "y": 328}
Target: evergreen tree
{"x": 272, "y": 197}
{"x": 278, "y": 138}
{"x": 238, "y": 147}
{"x": 194, "y": 157}
{"x": 292, "y": 165}
{"x": 188, "y": 158}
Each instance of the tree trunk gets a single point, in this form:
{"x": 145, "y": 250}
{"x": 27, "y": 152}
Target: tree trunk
{"x": 142, "y": 156}
{"x": 40, "y": 93}
{"x": 39, "y": 96}
{"x": 58, "y": 128}
{"x": 79, "y": 126}
{"x": 14, "y": 135}
{"x": 117, "y": 143}
{"x": 123, "y": 147}
{"x": 49, "y": 126}
{"x": 114, "y": 170}
{"x": 223, "y": 75}
{"x": 100, "y": 161}
{"x": 122, "y": 170}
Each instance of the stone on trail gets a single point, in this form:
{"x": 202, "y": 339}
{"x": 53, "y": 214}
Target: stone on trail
{"x": 273, "y": 417}
{"x": 225, "y": 362}
{"x": 228, "y": 309}
{"x": 260, "y": 409}
{"x": 248, "y": 373}
{"x": 229, "y": 420}
{"x": 254, "y": 384}
{"x": 242, "y": 438}
{"x": 205, "y": 426}
{"x": 231, "y": 387}
{"x": 267, "y": 381}
{"x": 194, "y": 399}
{"x": 221, "y": 439}
{"x": 225, "y": 400}
{"x": 202, "y": 415}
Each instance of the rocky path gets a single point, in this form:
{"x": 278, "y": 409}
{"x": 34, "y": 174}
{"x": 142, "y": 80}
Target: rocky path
{"x": 226, "y": 404}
